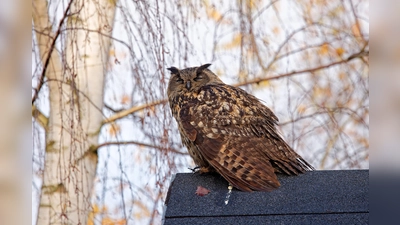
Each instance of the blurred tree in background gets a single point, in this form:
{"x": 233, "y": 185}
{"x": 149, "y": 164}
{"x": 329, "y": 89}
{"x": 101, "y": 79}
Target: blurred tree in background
{"x": 307, "y": 60}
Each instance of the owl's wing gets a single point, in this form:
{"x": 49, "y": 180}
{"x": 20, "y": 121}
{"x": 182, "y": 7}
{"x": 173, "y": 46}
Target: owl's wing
{"x": 236, "y": 134}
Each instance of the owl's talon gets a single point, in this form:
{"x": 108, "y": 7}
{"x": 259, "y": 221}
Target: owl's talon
{"x": 195, "y": 169}
{"x": 201, "y": 169}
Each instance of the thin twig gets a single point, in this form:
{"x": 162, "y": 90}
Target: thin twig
{"x": 258, "y": 80}
{"x": 112, "y": 109}
{"x": 133, "y": 110}
{"x": 52, "y": 46}
{"x": 137, "y": 143}
{"x": 357, "y": 23}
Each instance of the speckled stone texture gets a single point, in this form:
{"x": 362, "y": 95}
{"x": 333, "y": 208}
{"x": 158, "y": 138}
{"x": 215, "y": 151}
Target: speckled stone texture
{"x": 316, "y": 197}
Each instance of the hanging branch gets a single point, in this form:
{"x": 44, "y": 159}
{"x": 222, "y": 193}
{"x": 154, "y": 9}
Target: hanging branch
{"x": 360, "y": 54}
{"x": 134, "y": 109}
{"x": 51, "y": 49}
{"x": 137, "y": 143}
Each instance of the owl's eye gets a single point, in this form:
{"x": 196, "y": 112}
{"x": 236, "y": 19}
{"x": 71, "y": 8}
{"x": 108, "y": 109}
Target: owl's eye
{"x": 179, "y": 80}
{"x": 198, "y": 78}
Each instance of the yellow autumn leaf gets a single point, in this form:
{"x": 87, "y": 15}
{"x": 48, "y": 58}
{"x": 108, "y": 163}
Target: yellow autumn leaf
{"x": 90, "y": 219}
{"x": 341, "y": 76}
{"x": 114, "y": 129}
{"x": 236, "y": 41}
{"x": 364, "y": 141}
{"x": 324, "y": 49}
{"x": 318, "y": 91}
{"x": 109, "y": 221}
{"x": 137, "y": 215}
{"x": 96, "y": 209}
{"x": 137, "y": 157}
{"x": 120, "y": 222}
{"x": 212, "y": 12}
{"x": 356, "y": 31}
{"x": 252, "y": 4}
{"x": 112, "y": 52}
{"x": 152, "y": 110}
{"x": 264, "y": 83}
{"x": 219, "y": 72}
{"x": 125, "y": 99}
{"x": 92, "y": 214}
{"x": 322, "y": 91}
{"x": 336, "y": 12}
{"x": 276, "y": 30}
{"x": 143, "y": 210}
{"x": 339, "y": 51}
{"x": 242, "y": 75}
{"x": 301, "y": 109}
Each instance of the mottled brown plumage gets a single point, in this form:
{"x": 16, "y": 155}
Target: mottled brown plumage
{"x": 230, "y": 131}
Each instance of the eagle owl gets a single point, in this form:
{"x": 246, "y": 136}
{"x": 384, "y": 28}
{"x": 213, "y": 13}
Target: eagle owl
{"x": 229, "y": 131}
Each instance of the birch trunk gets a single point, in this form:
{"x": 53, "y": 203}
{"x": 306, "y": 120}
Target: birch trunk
{"x": 76, "y": 81}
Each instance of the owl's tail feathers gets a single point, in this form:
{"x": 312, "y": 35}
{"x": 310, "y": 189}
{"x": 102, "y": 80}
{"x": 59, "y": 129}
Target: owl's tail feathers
{"x": 258, "y": 179}
{"x": 284, "y": 159}
{"x": 293, "y": 166}
{"x": 305, "y": 165}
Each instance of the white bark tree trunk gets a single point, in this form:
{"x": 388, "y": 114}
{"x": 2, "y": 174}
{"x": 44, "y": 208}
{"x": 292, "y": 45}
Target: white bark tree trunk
{"x": 76, "y": 83}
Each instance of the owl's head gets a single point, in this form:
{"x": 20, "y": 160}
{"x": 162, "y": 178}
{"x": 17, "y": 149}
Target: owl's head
{"x": 190, "y": 79}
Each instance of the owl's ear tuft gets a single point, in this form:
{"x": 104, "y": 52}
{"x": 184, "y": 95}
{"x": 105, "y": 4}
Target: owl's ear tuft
{"x": 202, "y": 67}
{"x": 173, "y": 70}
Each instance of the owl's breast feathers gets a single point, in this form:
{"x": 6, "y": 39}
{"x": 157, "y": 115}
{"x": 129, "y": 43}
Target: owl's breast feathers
{"x": 236, "y": 134}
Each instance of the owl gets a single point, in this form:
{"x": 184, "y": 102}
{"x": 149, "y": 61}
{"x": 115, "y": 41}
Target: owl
{"x": 229, "y": 131}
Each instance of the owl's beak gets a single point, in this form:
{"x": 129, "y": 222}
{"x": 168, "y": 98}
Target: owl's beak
{"x": 188, "y": 85}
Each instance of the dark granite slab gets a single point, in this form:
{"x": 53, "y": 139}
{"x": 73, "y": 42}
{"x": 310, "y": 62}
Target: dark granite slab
{"x": 332, "y": 197}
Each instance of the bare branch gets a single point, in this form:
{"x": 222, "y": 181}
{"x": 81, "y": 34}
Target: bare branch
{"x": 261, "y": 11}
{"x": 357, "y": 23}
{"x": 41, "y": 19}
{"x": 258, "y": 80}
{"x": 138, "y": 143}
{"x": 343, "y": 110}
{"x": 134, "y": 109}
{"x": 112, "y": 109}
{"x": 302, "y": 117}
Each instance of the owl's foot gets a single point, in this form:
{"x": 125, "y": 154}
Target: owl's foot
{"x": 195, "y": 169}
{"x": 202, "y": 169}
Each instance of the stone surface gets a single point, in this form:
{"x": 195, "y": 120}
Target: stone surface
{"x": 317, "y": 197}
